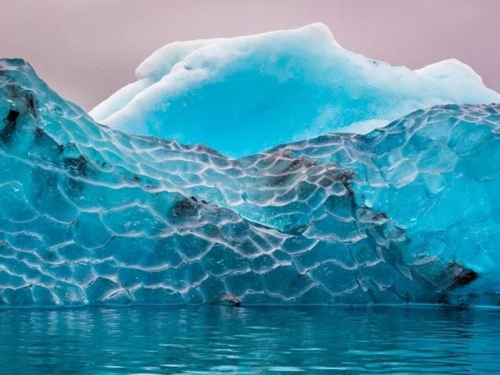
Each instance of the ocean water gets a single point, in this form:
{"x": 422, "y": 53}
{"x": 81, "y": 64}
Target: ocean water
{"x": 229, "y": 340}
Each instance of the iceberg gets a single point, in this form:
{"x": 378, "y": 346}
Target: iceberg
{"x": 245, "y": 95}
{"x": 91, "y": 215}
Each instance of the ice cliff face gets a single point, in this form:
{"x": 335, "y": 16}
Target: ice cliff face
{"x": 245, "y": 95}
{"x": 91, "y": 215}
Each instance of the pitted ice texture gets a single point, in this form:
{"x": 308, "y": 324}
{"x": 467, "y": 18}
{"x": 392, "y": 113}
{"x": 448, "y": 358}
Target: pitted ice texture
{"x": 91, "y": 215}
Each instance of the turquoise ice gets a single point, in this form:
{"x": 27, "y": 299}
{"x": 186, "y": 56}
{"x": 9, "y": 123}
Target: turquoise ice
{"x": 91, "y": 215}
{"x": 244, "y": 95}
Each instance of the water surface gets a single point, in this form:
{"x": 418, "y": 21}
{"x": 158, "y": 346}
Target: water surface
{"x": 227, "y": 340}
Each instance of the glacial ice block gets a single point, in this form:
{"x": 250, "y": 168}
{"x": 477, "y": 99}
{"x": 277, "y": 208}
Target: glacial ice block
{"x": 244, "y": 95}
{"x": 91, "y": 215}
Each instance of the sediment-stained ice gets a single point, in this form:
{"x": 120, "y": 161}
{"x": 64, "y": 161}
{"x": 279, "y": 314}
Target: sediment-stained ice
{"x": 91, "y": 215}
{"x": 245, "y": 95}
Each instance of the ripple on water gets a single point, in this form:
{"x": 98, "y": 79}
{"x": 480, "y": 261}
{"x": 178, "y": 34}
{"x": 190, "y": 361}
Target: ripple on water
{"x": 224, "y": 340}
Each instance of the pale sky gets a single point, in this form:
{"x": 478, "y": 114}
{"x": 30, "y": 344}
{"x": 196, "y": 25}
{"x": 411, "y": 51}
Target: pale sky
{"x": 88, "y": 49}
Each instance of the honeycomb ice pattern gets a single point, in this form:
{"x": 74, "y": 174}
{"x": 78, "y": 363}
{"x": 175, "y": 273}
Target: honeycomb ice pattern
{"x": 89, "y": 215}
